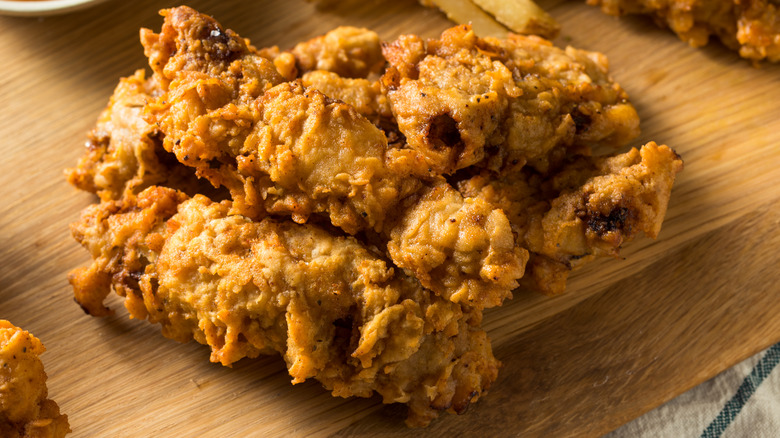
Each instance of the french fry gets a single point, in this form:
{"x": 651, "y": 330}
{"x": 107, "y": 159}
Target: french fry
{"x": 522, "y": 16}
{"x": 465, "y": 12}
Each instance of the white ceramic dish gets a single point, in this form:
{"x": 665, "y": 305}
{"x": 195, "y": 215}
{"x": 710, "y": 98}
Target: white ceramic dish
{"x": 38, "y": 8}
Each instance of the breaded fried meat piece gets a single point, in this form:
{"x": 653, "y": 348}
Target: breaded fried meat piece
{"x": 462, "y": 100}
{"x": 294, "y": 151}
{"x": 282, "y": 149}
{"x": 589, "y": 208}
{"x": 350, "y": 52}
{"x": 372, "y": 216}
{"x": 25, "y": 410}
{"x": 124, "y": 153}
{"x": 461, "y": 247}
{"x": 333, "y": 310}
{"x": 364, "y": 95}
{"x": 750, "y": 26}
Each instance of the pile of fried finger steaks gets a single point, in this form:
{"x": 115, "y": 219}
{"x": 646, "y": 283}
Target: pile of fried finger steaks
{"x": 354, "y": 205}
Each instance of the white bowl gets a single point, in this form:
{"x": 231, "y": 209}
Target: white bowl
{"x": 37, "y": 8}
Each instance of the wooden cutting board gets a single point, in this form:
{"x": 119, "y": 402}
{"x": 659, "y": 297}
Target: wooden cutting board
{"x": 629, "y": 335}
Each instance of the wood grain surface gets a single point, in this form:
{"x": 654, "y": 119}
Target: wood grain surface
{"x": 629, "y": 335}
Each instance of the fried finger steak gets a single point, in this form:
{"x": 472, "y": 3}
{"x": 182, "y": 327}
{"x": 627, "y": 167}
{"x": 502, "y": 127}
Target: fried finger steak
{"x": 283, "y": 149}
{"x": 462, "y": 100}
{"x": 332, "y": 309}
{"x": 750, "y": 26}
{"x": 25, "y": 410}
{"x": 465, "y": 160}
{"x": 590, "y": 207}
{"x": 124, "y": 153}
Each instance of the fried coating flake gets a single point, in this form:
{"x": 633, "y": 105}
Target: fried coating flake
{"x": 589, "y": 208}
{"x": 333, "y": 310}
{"x": 502, "y": 103}
{"x": 750, "y": 26}
{"x": 25, "y": 410}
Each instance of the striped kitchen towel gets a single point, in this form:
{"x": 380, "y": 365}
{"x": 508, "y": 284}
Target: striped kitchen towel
{"x": 743, "y": 401}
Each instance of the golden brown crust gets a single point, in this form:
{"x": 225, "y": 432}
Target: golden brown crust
{"x": 350, "y": 52}
{"x": 750, "y": 26}
{"x": 590, "y": 207}
{"x": 25, "y": 410}
{"x": 280, "y": 153}
{"x": 124, "y": 153}
{"x": 193, "y": 42}
{"x": 295, "y": 151}
{"x": 462, "y": 248}
{"x": 331, "y": 308}
{"x": 501, "y": 104}
{"x": 758, "y": 30}
{"x": 362, "y": 94}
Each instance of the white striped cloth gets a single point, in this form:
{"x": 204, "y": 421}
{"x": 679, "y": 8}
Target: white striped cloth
{"x": 743, "y": 401}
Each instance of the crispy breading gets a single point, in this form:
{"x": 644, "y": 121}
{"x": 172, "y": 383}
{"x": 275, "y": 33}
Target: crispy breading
{"x": 306, "y": 154}
{"x": 25, "y": 410}
{"x": 284, "y": 61}
{"x": 462, "y": 248}
{"x": 365, "y": 95}
{"x": 348, "y": 51}
{"x": 590, "y": 207}
{"x": 286, "y": 149}
{"x": 758, "y": 29}
{"x": 295, "y": 151}
{"x": 750, "y": 26}
{"x": 362, "y": 94}
{"x": 335, "y": 311}
{"x": 502, "y": 103}
{"x": 124, "y": 153}
{"x": 191, "y": 43}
